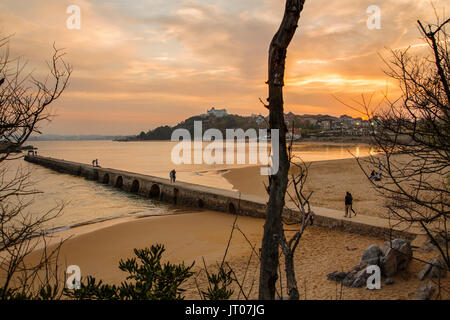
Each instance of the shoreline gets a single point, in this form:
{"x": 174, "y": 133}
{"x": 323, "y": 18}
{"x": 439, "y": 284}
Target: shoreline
{"x": 249, "y": 173}
{"x": 328, "y": 180}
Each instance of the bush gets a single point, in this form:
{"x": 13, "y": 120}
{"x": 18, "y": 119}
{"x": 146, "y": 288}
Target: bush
{"x": 148, "y": 279}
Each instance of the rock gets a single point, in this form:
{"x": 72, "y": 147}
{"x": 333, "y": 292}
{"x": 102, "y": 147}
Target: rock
{"x": 349, "y": 279}
{"x": 426, "y": 291}
{"x": 405, "y": 253}
{"x": 435, "y": 268}
{"x": 389, "y": 281}
{"x": 423, "y": 273}
{"x": 438, "y": 269}
{"x": 360, "y": 279}
{"x": 337, "y": 276}
{"x": 353, "y": 279}
{"x": 385, "y": 247}
{"x": 397, "y": 257}
{"x": 371, "y": 256}
{"x": 428, "y": 247}
{"x": 388, "y": 263}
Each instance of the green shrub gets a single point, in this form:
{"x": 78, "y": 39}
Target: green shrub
{"x": 148, "y": 279}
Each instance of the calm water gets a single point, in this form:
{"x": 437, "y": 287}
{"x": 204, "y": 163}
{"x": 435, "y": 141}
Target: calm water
{"x": 89, "y": 201}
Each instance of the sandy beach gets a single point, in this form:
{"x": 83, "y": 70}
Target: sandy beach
{"x": 328, "y": 180}
{"x": 191, "y": 237}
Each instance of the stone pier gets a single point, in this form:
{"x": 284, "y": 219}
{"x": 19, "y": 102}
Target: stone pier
{"x": 202, "y": 197}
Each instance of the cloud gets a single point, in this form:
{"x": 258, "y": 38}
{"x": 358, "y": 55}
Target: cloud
{"x": 149, "y": 62}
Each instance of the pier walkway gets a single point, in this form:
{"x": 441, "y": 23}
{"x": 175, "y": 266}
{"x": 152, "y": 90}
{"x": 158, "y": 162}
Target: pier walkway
{"x": 203, "y": 197}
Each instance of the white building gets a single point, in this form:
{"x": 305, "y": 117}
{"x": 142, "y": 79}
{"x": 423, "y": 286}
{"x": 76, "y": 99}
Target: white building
{"x": 260, "y": 120}
{"x": 219, "y": 113}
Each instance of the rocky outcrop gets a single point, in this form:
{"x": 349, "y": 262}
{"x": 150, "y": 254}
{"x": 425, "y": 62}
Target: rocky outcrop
{"x": 371, "y": 256}
{"x": 426, "y": 291}
{"x": 392, "y": 257}
{"x": 435, "y": 268}
{"x": 396, "y": 257}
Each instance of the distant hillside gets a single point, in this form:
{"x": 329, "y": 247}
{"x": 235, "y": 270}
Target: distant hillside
{"x": 208, "y": 121}
{"x": 54, "y": 137}
{"x": 305, "y": 126}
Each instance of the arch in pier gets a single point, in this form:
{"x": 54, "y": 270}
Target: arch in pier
{"x": 106, "y": 178}
{"x": 95, "y": 175}
{"x": 155, "y": 192}
{"x": 175, "y": 195}
{"x": 135, "y": 186}
{"x": 231, "y": 208}
{"x": 119, "y": 182}
{"x": 200, "y": 204}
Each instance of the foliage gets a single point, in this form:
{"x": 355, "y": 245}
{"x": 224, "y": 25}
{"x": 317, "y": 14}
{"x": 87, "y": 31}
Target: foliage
{"x": 148, "y": 279}
{"x": 218, "y": 285}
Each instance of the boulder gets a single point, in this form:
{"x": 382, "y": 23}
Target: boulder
{"x": 349, "y": 279}
{"x": 370, "y": 256}
{"x": 360, "y": 279}
{"x": 426, "y": 291}
{"x": 389, "y": 281}
{"x": 405, "y": 253}
{"x": 438, "y": 269}
{"x": 397, "y": 257}
{"x": 424, "y": 272}
{"x": 388, "y": 263}
{"x": 385, "y": 247}
{"x": 337, "y": 276}
{"x": 435, "y": 268}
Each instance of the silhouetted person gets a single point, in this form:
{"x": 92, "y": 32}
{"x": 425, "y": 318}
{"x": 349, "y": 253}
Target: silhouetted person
{"x": 173, "y": 176}
{"x": 380, "y": 173}
{"x": 348, "y": 205}
{"x": 373, "y": 176}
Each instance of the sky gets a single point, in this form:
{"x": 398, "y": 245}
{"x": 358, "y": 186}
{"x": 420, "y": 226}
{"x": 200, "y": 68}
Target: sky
{"x": 144, "y": 63}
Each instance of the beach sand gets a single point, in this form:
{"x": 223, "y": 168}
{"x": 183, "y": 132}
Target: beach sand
{"x": 190, "y": 237}
{"x": 328, "y": 180}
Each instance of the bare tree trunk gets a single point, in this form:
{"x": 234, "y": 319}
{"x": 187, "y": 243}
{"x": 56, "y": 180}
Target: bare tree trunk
{"x": 278, "y": 181}
{"x": 290, "y": 277}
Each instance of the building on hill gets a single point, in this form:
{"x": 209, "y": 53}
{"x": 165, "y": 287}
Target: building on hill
{"x": 258, "y": 119}
{"x": 327, "y": 122}
{"x": 218, "y": 113}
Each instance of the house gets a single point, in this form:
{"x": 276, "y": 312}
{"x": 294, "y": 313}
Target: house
{"x": 218, "y": 113}
{"x": 260, "y": 120}
{"x": 297, "y": 134}
{"x": 289, "y": 119}
{"x": 327, "y": 122}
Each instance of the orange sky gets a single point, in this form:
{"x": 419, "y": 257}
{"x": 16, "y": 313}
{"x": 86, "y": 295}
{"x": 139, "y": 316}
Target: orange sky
{"x": 142, "y": 63}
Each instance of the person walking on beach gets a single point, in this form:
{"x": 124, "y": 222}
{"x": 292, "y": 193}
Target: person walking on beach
{"x": 380, "y": 173}
{"x": 374, "y": 176}
{"x": 173, "y": 176}
{"x": 348, "y": 205}
{"x": 95, "y": 163}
